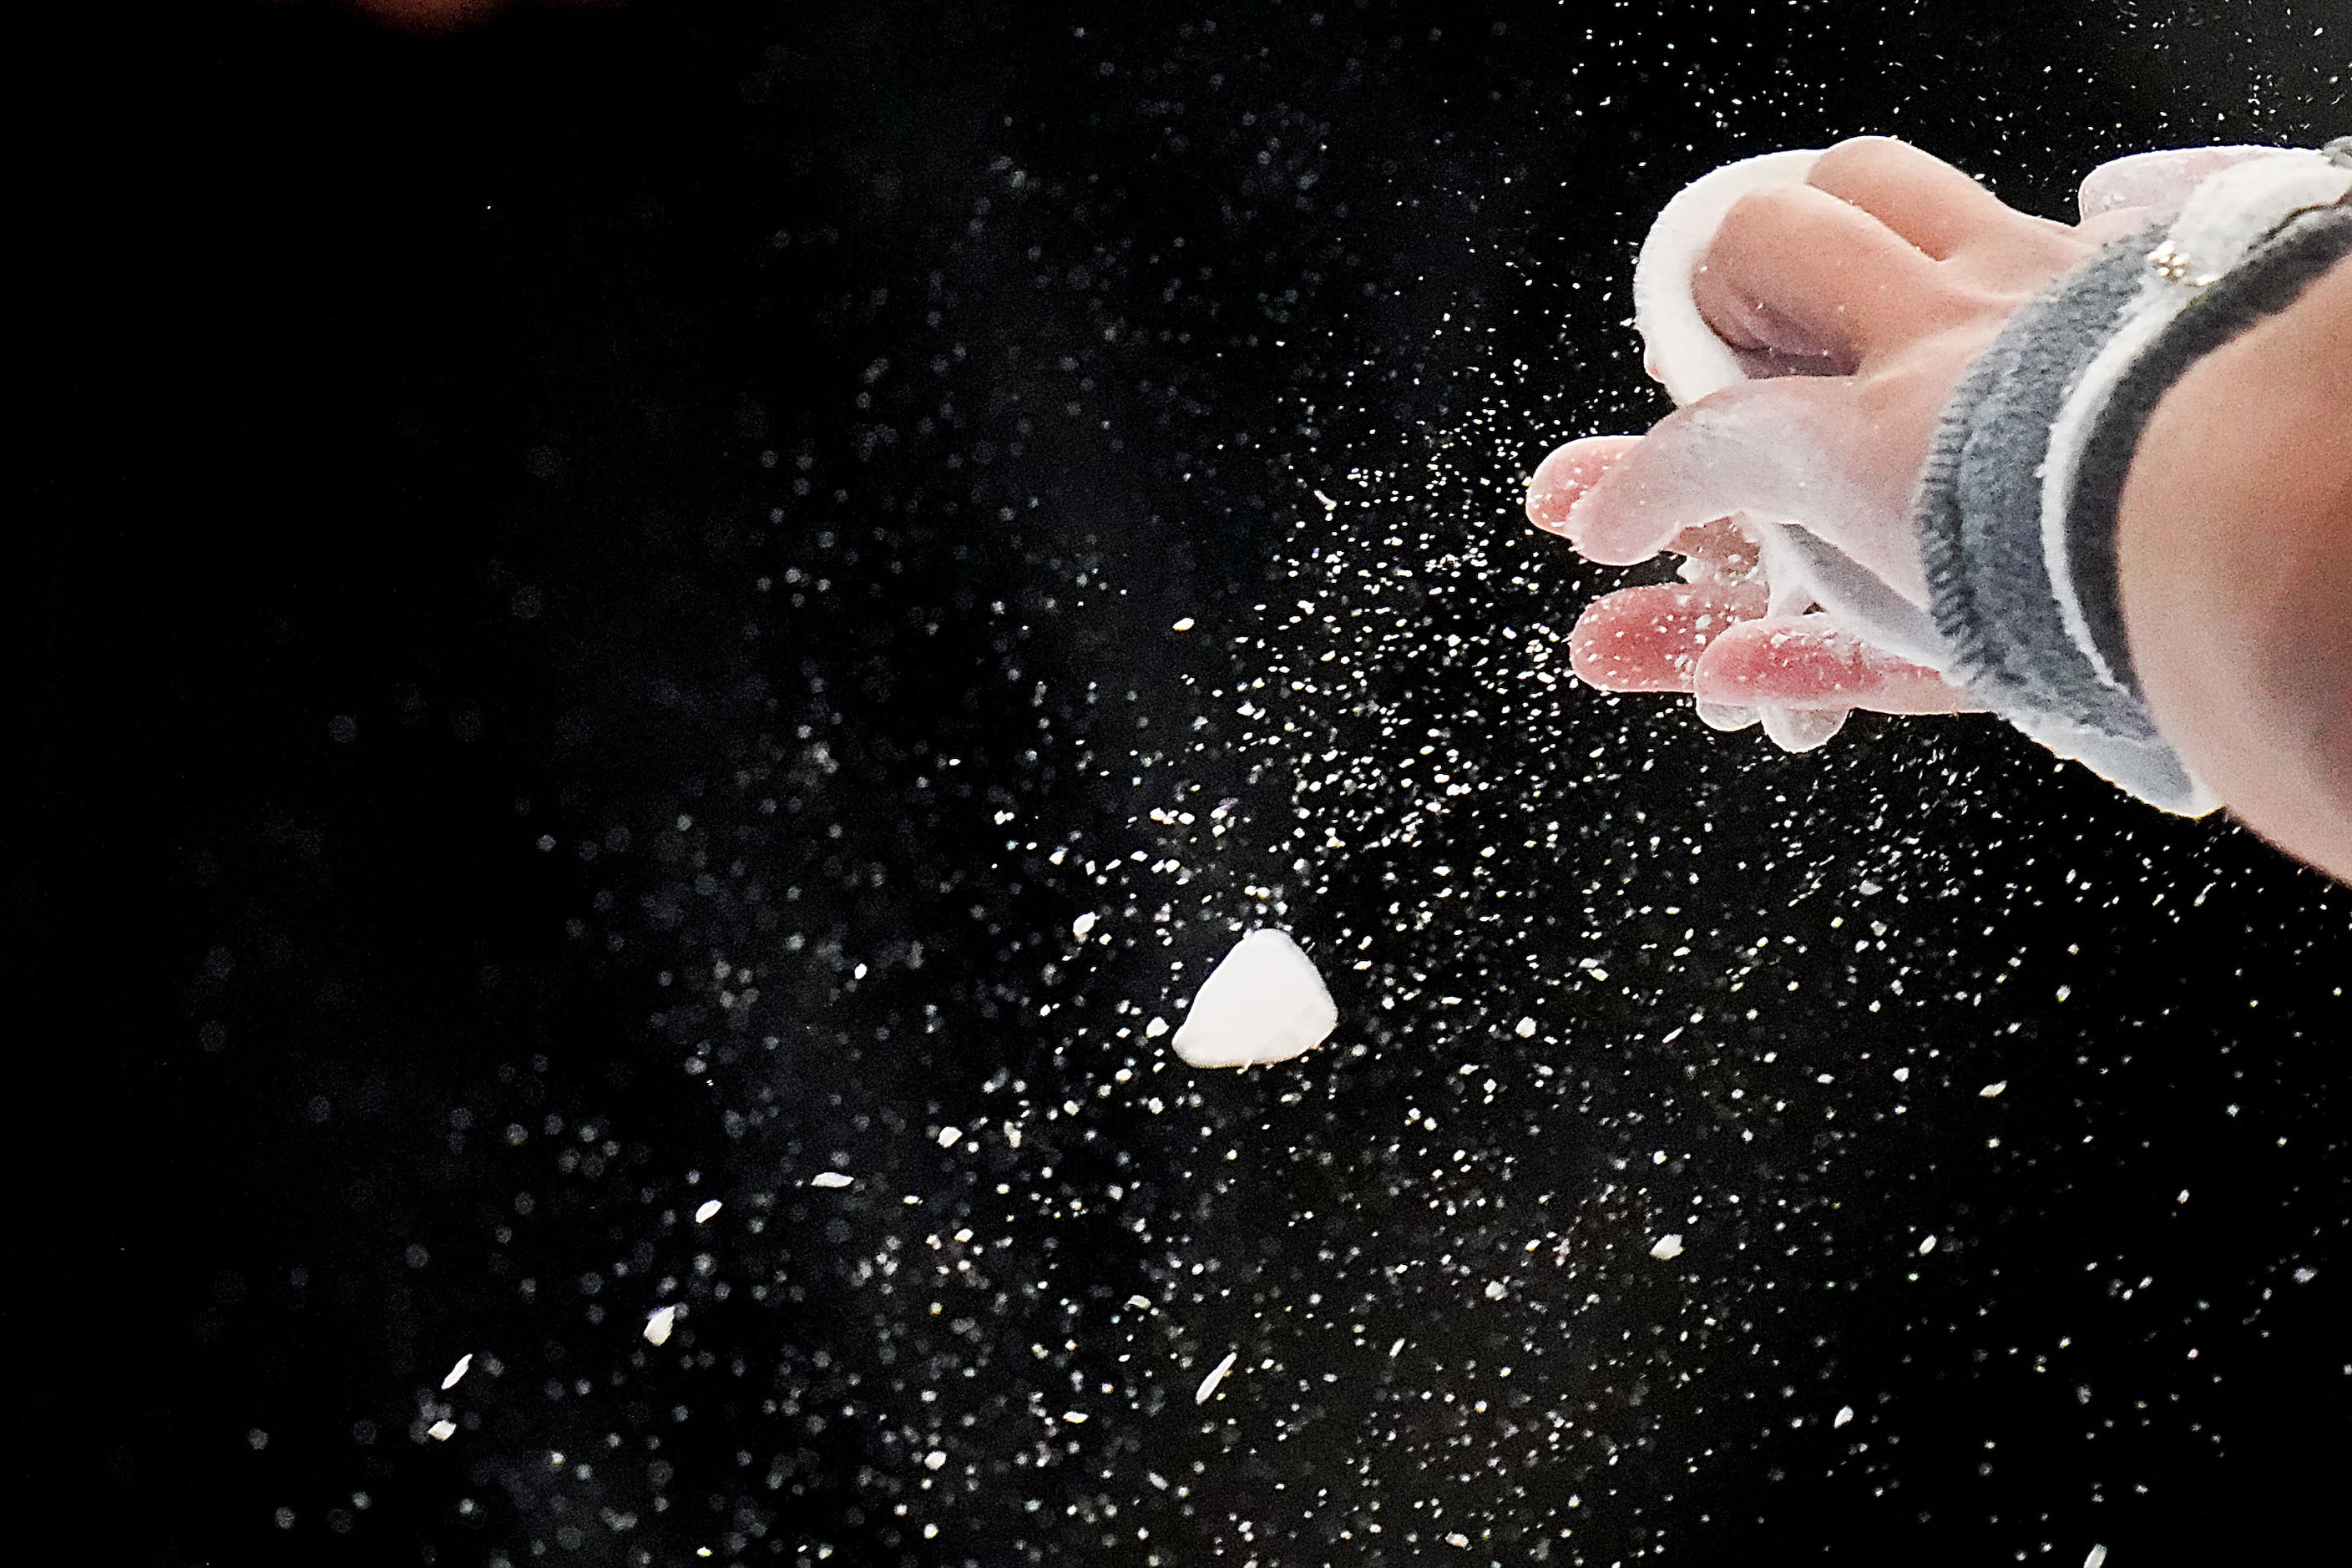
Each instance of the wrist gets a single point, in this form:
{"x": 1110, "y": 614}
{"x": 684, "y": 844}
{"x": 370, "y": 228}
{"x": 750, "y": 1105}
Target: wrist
{"x": 2235, "y": 561}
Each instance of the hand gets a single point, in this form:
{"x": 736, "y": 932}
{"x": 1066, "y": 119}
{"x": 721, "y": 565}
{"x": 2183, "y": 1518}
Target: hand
{"x": 1857, "y": 299}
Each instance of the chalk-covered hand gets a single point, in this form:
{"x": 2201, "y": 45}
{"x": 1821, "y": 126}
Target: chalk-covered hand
{"x": 1854, "y": 301}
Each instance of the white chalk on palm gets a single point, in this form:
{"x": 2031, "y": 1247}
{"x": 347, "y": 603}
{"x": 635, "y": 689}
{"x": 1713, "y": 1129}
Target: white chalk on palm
{"x": 1264, "y": 1002}
{"x": 1677, "y": 345}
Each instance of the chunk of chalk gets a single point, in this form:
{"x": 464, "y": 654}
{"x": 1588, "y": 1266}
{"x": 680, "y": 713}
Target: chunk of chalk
{"x": 1264, "y": 1002}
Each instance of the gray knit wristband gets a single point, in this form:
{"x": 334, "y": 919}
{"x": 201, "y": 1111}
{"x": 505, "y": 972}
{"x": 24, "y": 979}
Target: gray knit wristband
{"x": 2016, "y": 507}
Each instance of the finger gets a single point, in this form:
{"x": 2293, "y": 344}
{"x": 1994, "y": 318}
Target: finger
{"x": 1922, "y": 199}
{"x": 1806, "y": 663}
{"x": 1803, "y": 729}
{"x": 1719, "y": 550}
{"x": 1650, "y": 639}
{"x": 1567, "y": 473}
{"x": 1796, "y": 269}
{"x": 2152, "y": 186}
{"x": 1771, "y": 449}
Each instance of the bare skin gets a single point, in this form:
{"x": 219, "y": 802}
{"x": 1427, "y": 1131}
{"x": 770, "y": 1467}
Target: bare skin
{"x": 2235, "y": 555}
{"x": 1867, "y": 292}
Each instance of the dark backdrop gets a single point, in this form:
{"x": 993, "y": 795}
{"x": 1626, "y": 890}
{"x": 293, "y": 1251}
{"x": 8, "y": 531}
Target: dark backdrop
{"x": 599, "y": 599}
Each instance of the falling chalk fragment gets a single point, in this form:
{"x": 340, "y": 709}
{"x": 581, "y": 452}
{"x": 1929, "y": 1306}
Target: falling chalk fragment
{"x": 1667, "y": 1246}
{"x": 1217, "y": 1375}
{"x": 830, "y": 1179}
{"x": 1926, "y": 1247}
{"x": 2098, "y": 1556}
{"x": 1139, "y": 1301}
{"x": 702, "y": 1215}
{"x": 1989, "y": 1090}
{"x": 658, "y": 1323}
{"x": 1082, "y": 925}
{"x": 1264, "y": 1002}
{"x": 463, "y": 1363}
{"x": 949, "y": 1137}
{"x": 1525, "y": 1028}
{"x": 1844, "y": 1414}
{"x": 441, "y": 1431}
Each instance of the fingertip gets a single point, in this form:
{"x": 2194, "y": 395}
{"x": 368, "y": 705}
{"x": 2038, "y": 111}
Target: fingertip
{"x": 1803, "y": 729}
{"x": 1565, "y": 477}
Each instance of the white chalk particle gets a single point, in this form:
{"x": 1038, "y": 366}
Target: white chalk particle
{"x": 1075, "y": 1417}
{"x": 464, "y": 1362}
{"x": 1926, "y": 1247}
{"x": 1496, "y": 1290}
{"x": 702, "y": 1215}
{"x": 1082, "y": 925}
{"x": 1989, "y": 1090}
{"x": 1217, "y": 1375}
{"x": 934, "y": 1459}
{"x": 441, "y": 1431}
{"x": 1183, "y": 626}
{"x": 1525, "y": 1030}
{"x": 658, "y": 1323}
{"x": 1139, "y": 1301}
{"x": 1844, "y": 1414}
{"x": 949, "y": 1137}
{"x": 1395, "y": 1348}
{"x": 1264, "y": 1002}
{"x": 2098, "y": 1556}
{"x": 1667, "y": 1245}
{"x": 830, "y": 1179}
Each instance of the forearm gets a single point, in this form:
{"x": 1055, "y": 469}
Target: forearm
{"x": 2234, "y": 554}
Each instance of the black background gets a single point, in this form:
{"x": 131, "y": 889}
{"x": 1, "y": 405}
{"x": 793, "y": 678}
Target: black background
{"x": 430, "y": 708}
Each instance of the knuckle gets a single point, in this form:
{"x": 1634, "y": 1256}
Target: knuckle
{"x": 1861, "y": 160}
{"x": 1759, "y": 218}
